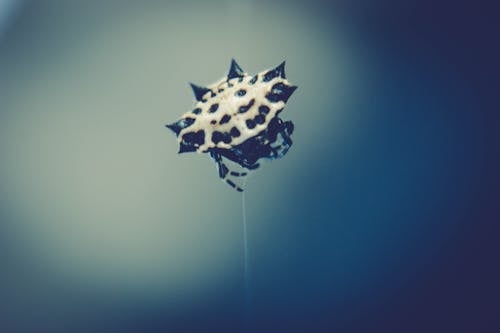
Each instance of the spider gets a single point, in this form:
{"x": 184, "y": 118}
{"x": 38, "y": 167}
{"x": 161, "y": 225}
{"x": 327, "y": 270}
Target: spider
{"x": 237, "y": 118}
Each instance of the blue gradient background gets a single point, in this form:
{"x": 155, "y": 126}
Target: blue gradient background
{"x": 381, "y": 218}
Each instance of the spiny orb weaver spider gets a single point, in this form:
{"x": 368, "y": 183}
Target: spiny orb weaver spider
{"x": 237, "y": 118}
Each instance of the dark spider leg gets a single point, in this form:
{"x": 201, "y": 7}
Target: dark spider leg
{"x": 288, "y": 130}
{"x": 236, "y": 155}
{"x": 237, "y": 174}
{"x": 251, "y": 166}
{"x": 281, "y": 150}
{"x": 224, "y": 171}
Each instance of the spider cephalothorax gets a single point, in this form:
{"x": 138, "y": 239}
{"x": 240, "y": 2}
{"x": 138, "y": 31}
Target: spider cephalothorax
{"x": 237, "y": 118}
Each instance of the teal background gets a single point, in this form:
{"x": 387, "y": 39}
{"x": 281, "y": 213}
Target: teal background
{"x": 381, "y": 217}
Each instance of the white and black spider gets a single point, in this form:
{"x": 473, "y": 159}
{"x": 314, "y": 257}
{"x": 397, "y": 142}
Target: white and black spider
{"x": 238, "y": 118}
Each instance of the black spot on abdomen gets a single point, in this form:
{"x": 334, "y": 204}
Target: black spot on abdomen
{"x": 241, "y": 92}
{"x": 264, "y": 110}
{"x": 194, "y": 138}
{"x": 235, "y": 132}
{"x": 245, "y": 108}
{"x": 225, "y": 119}
{"x": 219, "y": 136}
{"x": 259, "y": 119}
{"x": 250, "y": 123}
{"x": 213, "y": 108}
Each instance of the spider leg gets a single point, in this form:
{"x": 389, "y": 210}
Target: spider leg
{"x": 238, "y": 174}
{"x": 279, "y": 150}
{"x": 224, "y": 171}
{"x": 252, "y": 166}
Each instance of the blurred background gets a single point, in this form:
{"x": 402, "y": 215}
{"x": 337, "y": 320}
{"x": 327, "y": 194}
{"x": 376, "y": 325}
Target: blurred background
{"x": 380, "y": 218}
